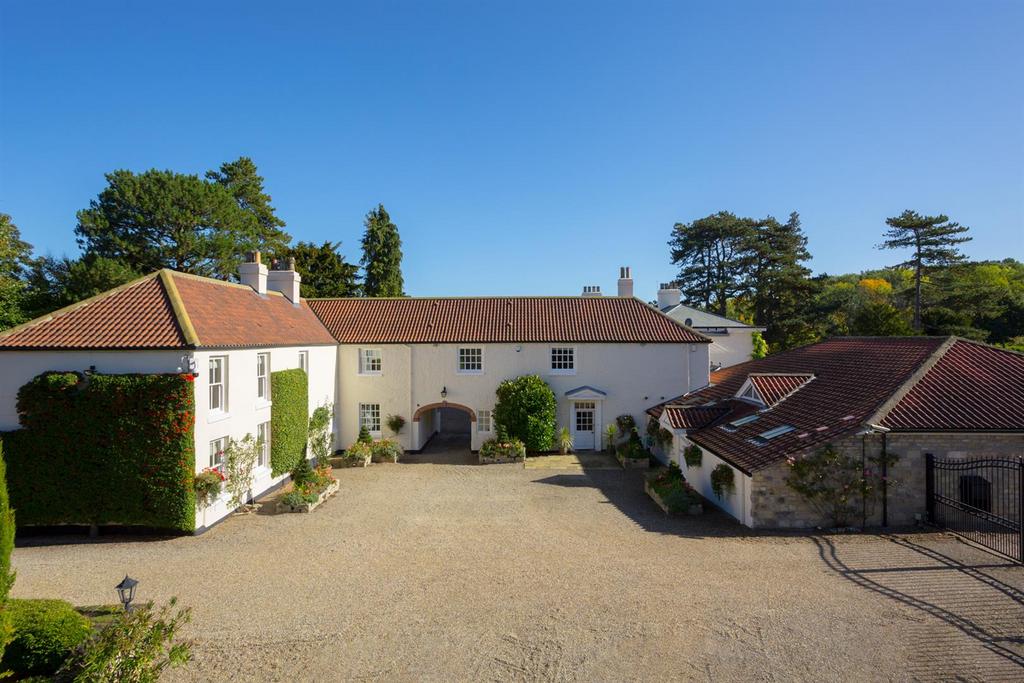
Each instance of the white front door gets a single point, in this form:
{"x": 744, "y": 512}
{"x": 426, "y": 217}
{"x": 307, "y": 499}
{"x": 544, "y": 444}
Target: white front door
{"x": 583, "y": 421}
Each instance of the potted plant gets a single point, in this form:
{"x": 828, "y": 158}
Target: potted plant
{"x": 358, "y": 454}
{"x": 386, "y": 450}
{"x": 564, "y": 442}
{"x": 502, "y": 450}
{"x": 207, "y": 485}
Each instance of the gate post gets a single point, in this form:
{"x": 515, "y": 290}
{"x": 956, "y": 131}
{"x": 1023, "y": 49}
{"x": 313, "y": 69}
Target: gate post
{"x": 929, "y": 486}
{"x": 1020, "y": 508}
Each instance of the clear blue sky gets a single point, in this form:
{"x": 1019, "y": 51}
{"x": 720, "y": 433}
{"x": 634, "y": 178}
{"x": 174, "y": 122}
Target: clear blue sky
{"x": 530, "y": 147}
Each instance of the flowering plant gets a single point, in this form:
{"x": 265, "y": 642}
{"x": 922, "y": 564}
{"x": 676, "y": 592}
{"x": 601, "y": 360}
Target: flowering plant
{"x": 507, "y": 447}
{"x": 208, "y": 485}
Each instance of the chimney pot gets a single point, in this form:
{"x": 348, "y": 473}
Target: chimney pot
{"x": 284, "y": 279}
{"x": 669, "y": 296}
{"x": 253, "y": 273}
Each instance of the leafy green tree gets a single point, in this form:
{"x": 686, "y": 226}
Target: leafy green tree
{"x": 778, "y": 284}
{"x": 58, "y": 282}
{"x": 324, "y": 271}
{"x": 934, "y": 241}
{"x": 879, "y": 319}
{"x": 760, "y": 346}
{"x": 382, "y": 255}
{"x": 713, "y": 255}
{"x": 15, "y": 255}
{"x": 6, "y": 546}
{"x": 526, "y": 408}
{"x": 161, "y": 219}
{"x": 245, "y": 184}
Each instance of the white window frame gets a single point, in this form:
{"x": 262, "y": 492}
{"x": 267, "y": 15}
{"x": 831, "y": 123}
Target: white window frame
{"x": 219, "y": 389}
{"x": 484, "y": 421}
{"x": 218, "y": 446}
{"x": 563, "y": 371}
{"x": 304, "y": 361}
{"x": 459, "y": 358}
{"x": 366, "y": 358}
{"x": 367, "y": 410}
{"x": 263, "y": 444}
{"x": 263, "y": 378}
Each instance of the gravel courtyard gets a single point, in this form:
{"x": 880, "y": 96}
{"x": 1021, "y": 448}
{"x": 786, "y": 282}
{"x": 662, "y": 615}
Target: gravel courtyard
{"x": 457, "y": 572}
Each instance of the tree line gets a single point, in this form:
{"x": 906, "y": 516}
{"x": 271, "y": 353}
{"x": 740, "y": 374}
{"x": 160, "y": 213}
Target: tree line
{"x": 141, "y": 222}
{"x": 754, "y": 270}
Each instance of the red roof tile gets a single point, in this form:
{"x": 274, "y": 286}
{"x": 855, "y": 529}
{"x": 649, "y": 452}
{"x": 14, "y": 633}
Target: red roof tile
{"x": 135, "y": 316}
{"x": 853, "y": 378}
{"x": 226, "y": 314}
{"x": 499, "y": 319}
{"x": 142, "y": 315}
{"x": 694, "y": 417}
{"x": 774, "y": 388}
{"x": 972, "y": 387}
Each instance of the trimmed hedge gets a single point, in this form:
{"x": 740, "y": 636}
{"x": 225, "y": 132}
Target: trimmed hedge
{"x": 6, "y": 545}
{"x": 289, "y": 419}
{"x": 45, "y": 634}
{"x": 104, "y": 449}
{"x": 526, "y": 408}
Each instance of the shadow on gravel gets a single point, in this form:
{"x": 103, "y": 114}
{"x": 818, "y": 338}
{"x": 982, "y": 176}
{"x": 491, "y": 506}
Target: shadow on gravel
{"x": 625, "y": 490}
{"x": 966, "y": 596}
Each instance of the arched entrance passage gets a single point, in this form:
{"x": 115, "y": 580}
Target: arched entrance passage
{"x": 446, "y": 430}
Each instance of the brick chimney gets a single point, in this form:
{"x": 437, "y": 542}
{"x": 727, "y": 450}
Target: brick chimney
{"x": 284, "y": 278}
{"x": 625, "y": 281}
{"x": 253, "y": 273}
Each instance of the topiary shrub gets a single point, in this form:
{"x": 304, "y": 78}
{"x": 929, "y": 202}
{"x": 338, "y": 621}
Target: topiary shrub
{"x": 104, "y": 449}
{"x": 364, "y": 435}
{"x": 289, "y": 419}
{"x": 723, "y": 480}
{"x": 526, "y": 409}
{"x": 6, "y": 545}
{"x": 45, "y": 634}
{"x": 693, "y": 455}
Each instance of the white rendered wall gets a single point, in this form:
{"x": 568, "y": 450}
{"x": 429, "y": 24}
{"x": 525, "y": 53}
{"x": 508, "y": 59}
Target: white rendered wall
{"x": 18, "y": 367}
{"x": 245, "y": 411}
{"x": 736, "y": 504}
{"x": 634, "y": 377}
{"x": 732, "y": 348}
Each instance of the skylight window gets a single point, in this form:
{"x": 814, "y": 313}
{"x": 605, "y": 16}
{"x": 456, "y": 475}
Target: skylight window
{"x": 736, "y": 424}
{"x": 764, "y": 437}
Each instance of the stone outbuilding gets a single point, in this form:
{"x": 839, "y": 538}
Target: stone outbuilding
{"x": 900, "y": 397}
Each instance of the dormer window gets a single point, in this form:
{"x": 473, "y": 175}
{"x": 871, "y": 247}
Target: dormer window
{"x": 750, "y": 394}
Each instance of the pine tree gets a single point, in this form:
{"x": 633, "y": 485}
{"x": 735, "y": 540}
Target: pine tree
{"x": 324, "y": 271}
{"x": 382, "y": 256}
{"x": 713, "y": 255}
{"x": 934, "y": 240}
{"x": 778, "y": 283}
{"x": 243, "y": 181}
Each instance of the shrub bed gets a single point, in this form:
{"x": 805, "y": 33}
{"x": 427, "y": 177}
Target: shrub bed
{"x": 104, "y": 449}
{"x": 386, "y": 450}
{"x": 672, "y": 492}
{"x": 526, "y": 409}
{"x": 311, "y": 487}
{"x": 357, "y": 455}
{"x": 289, "y": 419}
{"x": 504, "y": 450}
{"x": 45, "y": 634}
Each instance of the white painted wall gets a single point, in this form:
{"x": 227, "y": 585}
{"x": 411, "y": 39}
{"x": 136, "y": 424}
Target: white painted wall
{"x": 634, "y": 377}
{"x": 732, "y": 348}
{"x": 738, "y": 503}
{"x": 18, "y": 367}
{"x": 245, "y": 411}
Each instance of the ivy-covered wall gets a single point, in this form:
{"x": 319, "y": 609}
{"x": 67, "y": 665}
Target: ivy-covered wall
{"x": 104, "y": 449}
{"x": 289, "y": 419}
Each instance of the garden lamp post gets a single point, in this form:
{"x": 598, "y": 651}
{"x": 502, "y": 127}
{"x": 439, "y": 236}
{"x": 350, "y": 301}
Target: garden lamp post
{"x": 126, "y": 591}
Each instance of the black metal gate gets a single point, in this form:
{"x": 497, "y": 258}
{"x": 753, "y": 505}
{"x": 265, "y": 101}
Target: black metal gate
{"x": 981, "y": 500}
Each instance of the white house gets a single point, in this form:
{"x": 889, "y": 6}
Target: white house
{"x": 231, "y": 335}
{"x": 413, "y": 357}
{"x": 731, "y": 340}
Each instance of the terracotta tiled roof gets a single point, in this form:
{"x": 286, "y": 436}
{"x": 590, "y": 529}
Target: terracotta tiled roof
{"x": 499, "y": 319}
{"x": 226, "y": 314}
{"x": 853, "y": 378}
{"x": 972, "y": 387}
{"x": 169, "y": 310}
{"x": 138, "y": 315}
{"x": 695, "y": 417}
{"x": 774, "y": 388}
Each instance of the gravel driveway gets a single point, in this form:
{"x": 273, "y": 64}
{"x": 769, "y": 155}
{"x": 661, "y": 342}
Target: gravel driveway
{"x": 458, "y": 572}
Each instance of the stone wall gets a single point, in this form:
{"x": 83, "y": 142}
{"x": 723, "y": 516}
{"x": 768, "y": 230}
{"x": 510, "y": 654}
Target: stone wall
{"x": 775, "y": 506}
